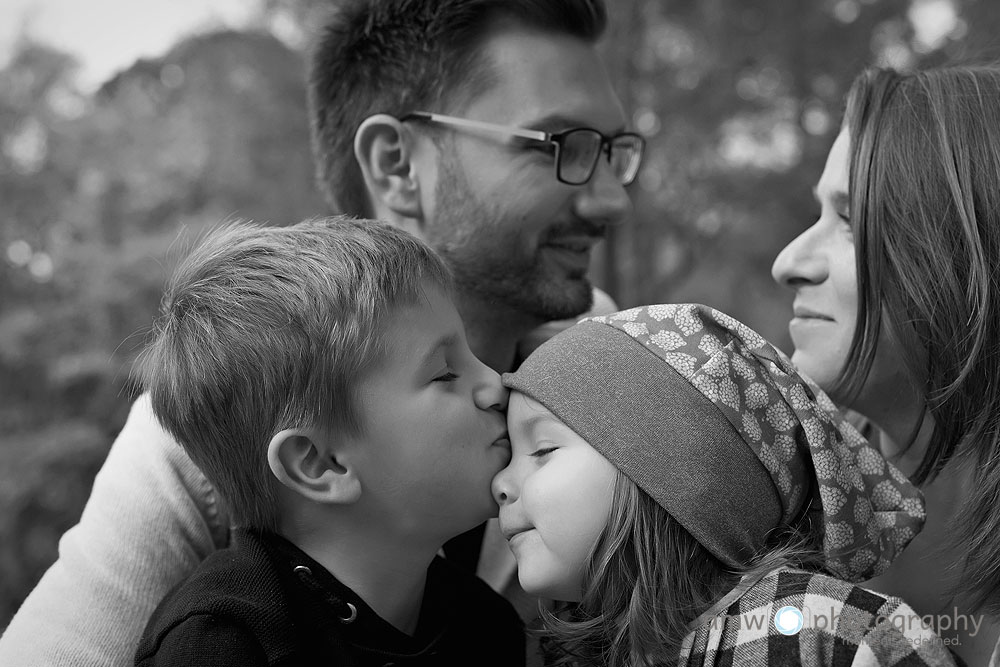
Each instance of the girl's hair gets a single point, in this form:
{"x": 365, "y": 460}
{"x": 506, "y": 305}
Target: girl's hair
{"x": 647, "y": 579}
{"x": 925, "y": 206}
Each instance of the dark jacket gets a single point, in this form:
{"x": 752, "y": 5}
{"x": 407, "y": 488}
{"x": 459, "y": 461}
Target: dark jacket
{"x": 265, "y": 602}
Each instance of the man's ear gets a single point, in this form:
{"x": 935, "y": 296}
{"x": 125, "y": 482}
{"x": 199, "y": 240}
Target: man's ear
{"x": 384, "y": 150}
{"x": 307, "y": 463}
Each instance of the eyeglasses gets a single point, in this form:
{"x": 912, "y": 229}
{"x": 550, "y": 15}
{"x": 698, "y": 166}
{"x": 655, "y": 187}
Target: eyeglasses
{"x": 577, "y": 150}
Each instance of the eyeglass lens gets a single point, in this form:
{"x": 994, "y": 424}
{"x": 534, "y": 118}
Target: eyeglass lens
{"x": 581, "y": 149}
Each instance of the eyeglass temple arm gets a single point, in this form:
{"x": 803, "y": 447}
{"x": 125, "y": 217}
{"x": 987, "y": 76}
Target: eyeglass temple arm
{"x": 537, "y": 135}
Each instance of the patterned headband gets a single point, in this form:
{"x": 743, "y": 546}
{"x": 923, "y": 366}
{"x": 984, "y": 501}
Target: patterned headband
{"x": 715, "y": 424}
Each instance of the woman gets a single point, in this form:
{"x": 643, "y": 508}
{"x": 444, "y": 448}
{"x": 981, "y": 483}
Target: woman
{"x": 897, "y": 316}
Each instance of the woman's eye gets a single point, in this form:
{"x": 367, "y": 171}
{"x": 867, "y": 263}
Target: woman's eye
{"x": 446, "y": 377}
{"x": 543, "y": 452}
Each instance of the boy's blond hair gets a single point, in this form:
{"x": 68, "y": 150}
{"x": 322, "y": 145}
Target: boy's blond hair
{"x": 268, "y": 328}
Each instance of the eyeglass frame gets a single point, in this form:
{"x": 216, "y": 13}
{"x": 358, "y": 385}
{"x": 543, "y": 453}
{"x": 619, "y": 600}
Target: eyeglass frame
{"x": 554, "y": 138}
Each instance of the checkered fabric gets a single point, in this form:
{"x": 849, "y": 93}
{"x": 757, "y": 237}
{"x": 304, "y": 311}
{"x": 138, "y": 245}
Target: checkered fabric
{"x": 841, "y": 624}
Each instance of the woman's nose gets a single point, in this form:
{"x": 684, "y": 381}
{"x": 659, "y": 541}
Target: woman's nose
{"x": 799, "y": 262}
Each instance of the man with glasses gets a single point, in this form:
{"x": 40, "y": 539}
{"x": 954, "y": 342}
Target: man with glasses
{"x": 490, "y": 129}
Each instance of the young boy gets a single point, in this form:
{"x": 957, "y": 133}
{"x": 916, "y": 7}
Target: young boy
{"x": 320, "y": 377}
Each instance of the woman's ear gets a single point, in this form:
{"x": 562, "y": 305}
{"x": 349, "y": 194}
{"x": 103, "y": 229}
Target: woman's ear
{"x": 306, "y": 461}
{"x": 385, "y": 153}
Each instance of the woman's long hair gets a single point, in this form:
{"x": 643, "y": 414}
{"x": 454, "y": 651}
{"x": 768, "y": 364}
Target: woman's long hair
{"x": 925, "y": 206}
{"x": 646, "y": 581}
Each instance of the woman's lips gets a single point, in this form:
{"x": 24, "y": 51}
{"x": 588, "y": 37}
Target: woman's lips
{"x": 803, "y": 313}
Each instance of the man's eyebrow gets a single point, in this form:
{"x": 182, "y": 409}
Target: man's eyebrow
{"x": 558, "y": 122}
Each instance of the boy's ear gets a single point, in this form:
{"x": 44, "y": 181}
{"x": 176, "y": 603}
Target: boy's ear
{"x": 385, "y": 153}
{"x": 306, "y": 462}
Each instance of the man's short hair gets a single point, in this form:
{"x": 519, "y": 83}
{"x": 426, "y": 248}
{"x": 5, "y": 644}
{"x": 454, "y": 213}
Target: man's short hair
{"x": 398, "y": 56}
{"x": 267, "y": 328}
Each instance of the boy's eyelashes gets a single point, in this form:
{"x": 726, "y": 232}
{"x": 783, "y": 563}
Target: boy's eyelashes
{"x": 447, "y": 376}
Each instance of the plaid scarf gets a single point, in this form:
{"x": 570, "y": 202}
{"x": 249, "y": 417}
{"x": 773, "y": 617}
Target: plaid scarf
{"x": 831, "y": 622}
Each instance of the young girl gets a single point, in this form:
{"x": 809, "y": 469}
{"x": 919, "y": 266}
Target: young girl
{"x": 701, "y": 502}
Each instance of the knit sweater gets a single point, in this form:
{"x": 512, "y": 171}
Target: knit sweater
{"x": 152, "y": 517}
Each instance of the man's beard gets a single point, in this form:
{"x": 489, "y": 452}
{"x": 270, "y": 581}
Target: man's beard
{"x": 489, "y": 260}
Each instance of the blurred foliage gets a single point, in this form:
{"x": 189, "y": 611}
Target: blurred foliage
{"x": 740, "y": 101}
{"x": 95, "y": 190}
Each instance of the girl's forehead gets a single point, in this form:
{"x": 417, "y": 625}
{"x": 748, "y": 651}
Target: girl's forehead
{"x": 525, "y": 413}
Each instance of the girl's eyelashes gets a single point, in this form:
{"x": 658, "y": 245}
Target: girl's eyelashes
{"x": 447, "y": 376}
{"x": 543, "y": 451}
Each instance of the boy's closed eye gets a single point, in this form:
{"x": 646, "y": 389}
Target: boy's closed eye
{"x": 542, "y": 452}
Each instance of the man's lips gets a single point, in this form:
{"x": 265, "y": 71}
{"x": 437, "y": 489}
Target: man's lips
{"x": 502, "y": 441}
{"x": 580, "y": 244}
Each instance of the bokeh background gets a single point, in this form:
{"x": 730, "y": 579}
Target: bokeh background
{"x": 124, "y": 124}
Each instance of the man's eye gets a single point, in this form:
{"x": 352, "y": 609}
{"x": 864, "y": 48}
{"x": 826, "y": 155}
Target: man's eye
{"x": 446, "y": 377}
{"x": 546, "y": 147}
{"x": 543, "y": 452}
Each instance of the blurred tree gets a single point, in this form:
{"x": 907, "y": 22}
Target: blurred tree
{"x": 740, "y": 102}
{"x": 94, "y": 192}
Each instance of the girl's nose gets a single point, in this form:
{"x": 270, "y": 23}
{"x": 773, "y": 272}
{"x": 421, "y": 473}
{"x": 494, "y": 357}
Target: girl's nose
{"x": 503, "y": 487}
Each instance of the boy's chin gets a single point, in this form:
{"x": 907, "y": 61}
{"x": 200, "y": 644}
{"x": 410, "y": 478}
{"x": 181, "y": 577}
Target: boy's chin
{"x": 488, "y": 511}
{"x": 473, "y": 514}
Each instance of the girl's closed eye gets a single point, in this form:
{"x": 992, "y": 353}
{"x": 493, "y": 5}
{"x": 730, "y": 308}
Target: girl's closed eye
{"x": 543, "y": 452}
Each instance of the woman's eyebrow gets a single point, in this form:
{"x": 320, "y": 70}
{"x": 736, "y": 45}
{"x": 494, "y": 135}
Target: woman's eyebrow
{"x": 841, "y": 200}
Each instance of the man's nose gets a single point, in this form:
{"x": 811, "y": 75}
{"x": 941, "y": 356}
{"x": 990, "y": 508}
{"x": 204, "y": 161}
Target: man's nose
{"x": 603, "y": 200}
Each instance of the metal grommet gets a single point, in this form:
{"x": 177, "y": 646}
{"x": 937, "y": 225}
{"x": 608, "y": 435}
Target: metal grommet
{"x": 353, "y": 615}
{"x": 302, "y": 570}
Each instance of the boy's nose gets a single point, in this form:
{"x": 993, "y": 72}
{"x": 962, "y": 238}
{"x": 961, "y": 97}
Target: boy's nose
{"x": 490, "y": 392}
{"x": 799, "y": 263}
